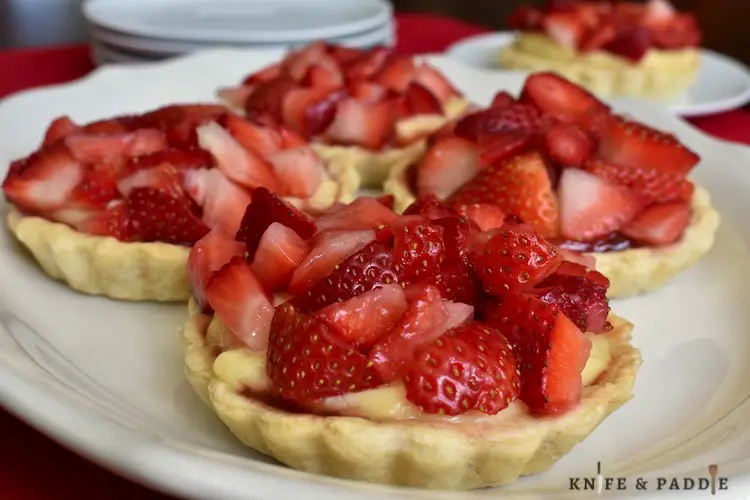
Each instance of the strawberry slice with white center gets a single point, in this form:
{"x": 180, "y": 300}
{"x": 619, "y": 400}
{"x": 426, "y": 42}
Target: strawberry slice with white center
{"x": 222, "y": 201}
{"x": 325, "y": 74}
{"x": 113, "y": 221}
{"x": 264, "y": 103}
{"x": 95, "y": 191}
{"x": 420, "y": 101}
{"x": 364, "y": 319}
{"x": 234, "y": 161}
{"x": 47, "y": 180}
{"x": 485, "y": 215}
{"x": 366, "y": 125}
{"x": 434, "y": 81}
{"x": 566, "y": 28}
{"x": 583, "y": 259}
{"x": 60, "y": 127}
{"x": 659, "y": 225}
{"x": 264, "y": 75}
{"x": 90, "y": 148}
{"x": 299, "y": 171}
{"x": 158, "y": 216}
{"x": 297, "y": 63}
{"x": 560, "y": 98}
{"x": 235, "y": 97}
{"x": 239, "y": 299}
{"x": 295, "y": 108}
{"x": 591, "y": 207}
{"x": 307, "y": 362}
{"x": 263, "y": 141}
{"x": 165, "y": 178}
{"x": 568, "y": 144}
{"x": 363, "y": 213}
{"x": 368, "y": 64}
{"x": 329, "y": 248}
{"x": 367, "y": 92}
{"x": 279, "y": 252}
{"x": 448, "y": 164}
{"x": 265, "y": 209}
{"x": 470, "y": 367}
{"x": 208, "y": 255}
{"x": 398, "y": 74}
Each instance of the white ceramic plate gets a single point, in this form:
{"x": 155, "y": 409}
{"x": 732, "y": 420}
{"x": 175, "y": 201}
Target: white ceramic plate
{"x": 105, "y": 377}
{"x": 239, "y": 21}
{"x": 722, "y": 84}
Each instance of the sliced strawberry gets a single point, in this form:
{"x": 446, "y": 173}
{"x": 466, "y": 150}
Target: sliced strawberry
{"x": 514, "y": 258}
{"x": 319, "y": 114}
{"x": 426, "y": 319}
{"x": 573, "y": 257}
{"x": 497, "y": 147}
{"x": 366, "y": 125}
{"x": 264, "y": 104}
{"x": 471, "y": 367}
{"x": 323, "y": 76}
{"x": 60, "y": 127}
{"x": 366, "y": 92}
{"x": 502, "y": 100}
{"x": 418, "y": 248}
{"x": 158, "y": 216}
{"x": 265, "y": 209}
{"x": 369, "y": 268}
{"x": 447, "y": 165}
{"x": 264, "y": 75}
{"x": 568, "y": 145}
{"x": 299, "y": 171}
{"x": 387, "y": 200}
{"x": 295, "y": 106}
{"x": 572, "y": 268}
{"x": 526, "y": 17}
{"x": 552, "y": 351}
{"x": 112, "y": 222}
{"x": 485, "y": 215}
{"x": 290, "y": 139}
{"x": 235, "y": 97}
{"x": 307, "y": 362}
{"x": 458, "y": 234}
{"x": 397, "y": 74}
{"x": 164, "y": 178}
{"x": 560, "y": 98}
{"x": 364, "y": 319}
{"x": 182, "y": 159}
{"x": 223, "y": 202}
{"x": 632, "y": 44}
{"x": 514, "y": 118}
{"x": 430, "y": 207}
{"x": 457, "y": 282}
{"x": 520, "y": 185}
{"x": 634, "y": 145}
{"x": 591, "y": 207}
{"x": 368, "y": 64}
{"x": 344, "y": 55}
{"x": 329, "y": 249}
{"x": 434, "y": 81}
{"x": 654, "y": 186}
{"x": 239, "y": 299}
{"x": 565, "y": 28}
{"x": 362, "y": 213}
{"x": 109, "y": 126}
{"x": 680, "y": 32}
{"x": 297, "y": 63}
{"x": 598, "y": 37}
{"x": 279, "y": 252}
{"x": 263, "y": 141}
{"x": 179, "y": 121}
{"x": 208, "y": 255}
{"x": 89, "y": 148}
{"x": 581, "y": 300}
{"x": 420, "y": 101}
{"x": 659, "y": 225}
{"x": 95, "y": 191}
{"x": 234, "y": 161}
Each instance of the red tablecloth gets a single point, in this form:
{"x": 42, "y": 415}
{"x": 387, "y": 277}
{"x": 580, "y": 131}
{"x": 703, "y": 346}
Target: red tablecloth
{"x": 34, "y": 467}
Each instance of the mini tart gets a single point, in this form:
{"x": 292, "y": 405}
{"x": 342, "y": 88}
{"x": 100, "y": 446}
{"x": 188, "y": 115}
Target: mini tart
{"x": 369, "y": 169}
{"x": 661, "y": 73}
{"x": 431, "y": 453}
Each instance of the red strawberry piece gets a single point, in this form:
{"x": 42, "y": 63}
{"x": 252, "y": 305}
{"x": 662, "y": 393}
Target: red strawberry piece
{"x": 46, "y": 181}
{"x": 573, "y": 257}
{"x": 557, "y": 6}
{"x": 88, "y": 148}
{"x": 240, "y": 300}
{"x": 179, "y": 121}
{"x": 634, "y": 145}
{"x": 514, "y": 118}
{"x": 520, "y": 185}
{"x": 290, "y": 139}
{"x": 632, "y": 44}
{"x": 526, "y": 17}
{"x": 418, "y": 248}
{"x": 109, "y": 126}
{"x": 569, "y": 268}
{"x": 279, "y": 252}
{"x": 329, "y": 249}
{"x": 591, "y": 207}
{"x": 208, "y": 255}
{"x": 367, "y": 92}
{"x": 426, "y": 319}
{"x": 598, "y": 37}
{"x": 514, "y": 258}
{"x": 485, "y": 215}
{"x": 265, "y": 209}
{"x": 298, "y": 62}
{"x": 158, "y": 216}
{"x": 387, "y": 200}
{"x": 95, "y": 190}
{"x": 296, "y": 106}
{"x": 113, "y": 221}
{"x": 430, "y": 207}
{"x": 366, "y": 125}
{"x": 320, "y": 114}
{"x": 497, "y": 147}
{"x": 458, "y": 233}
{"x": 552, "y": 351}
{"x": 568, "y": 145}
{"x": 502, "y": 100}
{"x": 560, "y": 98}
{"x": 680, "y": 32}
{"x": 457, "y": 282}
{"x": 654, "y": 186}
{"x": 60, "y": 128}
{"x": 263, "y": 141}
{"x": 235, "y": 97}
{"x": 264, "y": 103}
{"x": 434, "y": 81}
{"x": 223, "y": 202}
{"x": 299, "y": 171}
{"x": 368, "y": 64}
{"x": 565, "y": 28}
{"x": 420, "y": 101}
{"x": 182, "y": 159}
{"x": 344, "y": 55}
{"x": 581, "y": 300}
{"x": 659, "y": 225}
{"x": 471, "y": 367}
{"x": 328, "y": 76}
{"x": 447, "y": 165}
{"x": 264, "y": 75}
{"x": 164, "y": 178}
{"x": 365, "y": 270}
{"x": 307, "y": 362}
{"x": 362, "y": 213}
{"x": 234, "y": 161}
{"x": 398, "y": 74}
{"x": 364, "y": 319}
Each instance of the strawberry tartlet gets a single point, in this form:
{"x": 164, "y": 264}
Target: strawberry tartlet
{"x": 611, "y": 48}
{"x": 365, "y": 112}
{"x": 112, "y": 207}
{"x": 593, "y": 183}
{"x": 413, "y": 350}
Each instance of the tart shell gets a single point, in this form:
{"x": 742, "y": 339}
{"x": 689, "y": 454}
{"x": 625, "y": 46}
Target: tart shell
{"x": 660, "y": 74}
{"x": 428, "y": 454}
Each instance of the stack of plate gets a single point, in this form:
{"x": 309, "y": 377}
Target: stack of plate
{"x": 124, "y": 31}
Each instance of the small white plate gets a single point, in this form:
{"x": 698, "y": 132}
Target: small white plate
{"x": 722, "y": 84}
{"x": 106, "y": 378}
{"x": 245, "y": 21}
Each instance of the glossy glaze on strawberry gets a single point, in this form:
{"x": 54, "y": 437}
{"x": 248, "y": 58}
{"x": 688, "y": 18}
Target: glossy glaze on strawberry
{"x": 465, "y": 320}
{"x": 343, "y": 96}
{"x": 625, "y": 29}
{"x": 169, "y": 175}
{"x": 585, "y": 179}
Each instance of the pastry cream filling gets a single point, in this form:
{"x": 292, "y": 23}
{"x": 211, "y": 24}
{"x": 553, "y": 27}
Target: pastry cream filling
{"x": 240, "y": 367}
